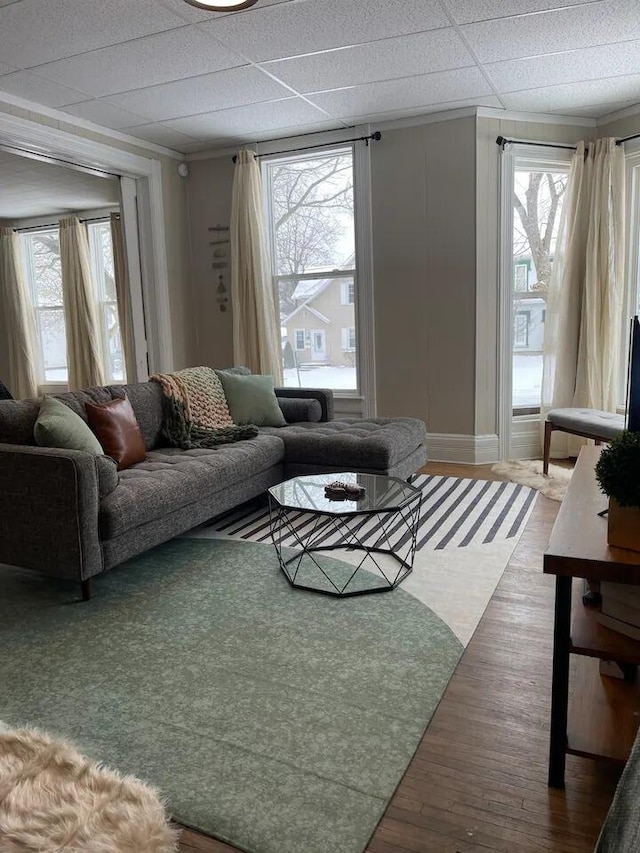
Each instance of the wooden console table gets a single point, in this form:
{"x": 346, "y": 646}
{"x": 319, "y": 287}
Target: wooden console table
{"x": 601, "y": 720}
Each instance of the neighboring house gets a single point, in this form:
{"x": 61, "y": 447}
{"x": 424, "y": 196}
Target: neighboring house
{"x": 529, "y": 308}
{"x": 321, "y": 329}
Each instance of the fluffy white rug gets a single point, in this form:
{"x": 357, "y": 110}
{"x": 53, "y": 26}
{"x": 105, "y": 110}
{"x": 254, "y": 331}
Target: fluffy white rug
{"x": 529, "y": 473}
{"x": 54, "y": 799}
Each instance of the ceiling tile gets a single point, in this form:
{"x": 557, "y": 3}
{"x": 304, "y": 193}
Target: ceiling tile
{"x": 232, "y": 88}
{"x": 548, "y": 32}
{"x": 291, "y": 29}
{"x": 407, "y": 93}
{"x": 595, "y": 111}
{"x": 161, "y": 58}
{"x": 6, "y": 69}
{"x": 252, "y": 119}
{"x": 33, "y": 32}
{"x": 295, "y": 131}
{"x": 467, "y": 11}
{"x": 590, "y": 63}
{"x": 575, "y": 95}
{"x": 102, "y": 112}
{"x": 161, "y": 135}
{"x": 403, "y": 56}
{"x": 191, "y": 14}
{"x": 33, "y": 88}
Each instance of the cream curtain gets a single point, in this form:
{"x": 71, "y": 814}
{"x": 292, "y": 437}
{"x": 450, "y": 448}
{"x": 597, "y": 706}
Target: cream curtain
{"x": 18, "y": 322}
{"x": 84, "y": 350}
{"x": 256, "y": 336}
{"x": 584, "y": 307}
{"x": 121, "y": 276}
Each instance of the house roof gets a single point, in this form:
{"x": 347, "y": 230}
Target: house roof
{"x": 313, "y": 311}
{"x": 310, "y": 288}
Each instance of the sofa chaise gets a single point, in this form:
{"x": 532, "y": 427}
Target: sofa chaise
{"x": 69, "y": 514}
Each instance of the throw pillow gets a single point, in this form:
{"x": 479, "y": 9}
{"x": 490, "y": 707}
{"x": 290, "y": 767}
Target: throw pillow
{"x": 58, "y": 426}
{"x": 252, "y": 399}
{"x": 117, "y": 429}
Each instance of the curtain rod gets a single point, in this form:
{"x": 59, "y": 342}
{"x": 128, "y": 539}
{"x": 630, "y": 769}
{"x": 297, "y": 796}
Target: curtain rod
{"x": 54, "y": 224}
{"x": 377, "y": 136}
{"x": 502, "y": 141}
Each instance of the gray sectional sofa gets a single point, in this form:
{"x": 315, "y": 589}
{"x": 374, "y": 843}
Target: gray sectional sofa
{"x": 70, "y": 515}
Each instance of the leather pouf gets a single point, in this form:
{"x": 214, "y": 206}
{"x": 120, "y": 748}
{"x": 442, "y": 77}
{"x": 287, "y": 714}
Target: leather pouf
{"x": 52, "y": 798}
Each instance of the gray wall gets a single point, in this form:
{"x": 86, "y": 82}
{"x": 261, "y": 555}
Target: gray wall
{"x": 209, "y": 187}
{"x": 424, "y": 217}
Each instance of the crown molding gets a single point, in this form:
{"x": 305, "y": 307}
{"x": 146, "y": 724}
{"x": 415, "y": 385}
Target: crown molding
{"x": 36, "y": 110}
{"x": 627, "y": 112}
{"x": 535, "y": 118}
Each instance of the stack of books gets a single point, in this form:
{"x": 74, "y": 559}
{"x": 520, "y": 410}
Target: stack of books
{"x": 621, "y": 608}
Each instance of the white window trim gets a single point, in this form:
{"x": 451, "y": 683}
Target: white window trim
{"x": 632, "y": 261}
{"x": 364, "y": 305}
{"x": 297, "y": 332}
{"x": 42, "y": 142}
{"x": 531, "y": 157}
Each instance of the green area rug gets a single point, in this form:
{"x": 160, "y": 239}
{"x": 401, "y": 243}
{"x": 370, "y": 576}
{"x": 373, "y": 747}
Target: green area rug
{"x": 277, "y": 720}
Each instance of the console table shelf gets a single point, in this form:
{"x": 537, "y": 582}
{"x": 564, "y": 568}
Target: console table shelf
{"x": 603, "y": 719}
{"x": 600, "y": 719}
{"x": 590, "y": 638}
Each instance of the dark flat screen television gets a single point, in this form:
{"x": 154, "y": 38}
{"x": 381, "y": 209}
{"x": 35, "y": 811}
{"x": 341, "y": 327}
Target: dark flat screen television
{"x": 633, "y": 383}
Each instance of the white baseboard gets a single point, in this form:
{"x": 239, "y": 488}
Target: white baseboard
{"x": 526, "y": 439}
{"x": 467, "y": 449}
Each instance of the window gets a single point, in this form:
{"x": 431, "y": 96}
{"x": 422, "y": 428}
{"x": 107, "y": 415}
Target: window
{"x": 349, "y": 340}
{"x": 310, "y": 211}
{"x": 348, "y": 292}
{"x": 101, "y": 254}
{"x": 538, "y": 195}
{"x": 44, "y": 274}
{"x": 300, "y": 339}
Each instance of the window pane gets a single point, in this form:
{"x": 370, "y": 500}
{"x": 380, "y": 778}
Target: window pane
{"x": 102, "y": 271}
{"x": 43, "y": 247}
{"x": 538, "y": 198}
{"x": 318, "y": 334}
{"x": 54, "y": 343}
{"x": 311, "y": 202}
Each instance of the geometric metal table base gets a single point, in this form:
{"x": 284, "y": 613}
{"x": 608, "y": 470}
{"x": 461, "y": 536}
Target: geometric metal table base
{"x": 318, "y": 530}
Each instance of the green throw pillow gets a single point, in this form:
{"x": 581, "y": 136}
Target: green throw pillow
{"x": 251, "y": 399}
{"x": 59, "y": 426}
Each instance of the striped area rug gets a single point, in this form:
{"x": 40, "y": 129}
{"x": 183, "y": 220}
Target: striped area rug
{"x": 455, "y": 513}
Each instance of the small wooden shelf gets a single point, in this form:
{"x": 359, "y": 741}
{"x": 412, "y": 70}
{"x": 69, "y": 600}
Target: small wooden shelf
{"x": 590, "y": 638}
{"x": 604, "y": 715}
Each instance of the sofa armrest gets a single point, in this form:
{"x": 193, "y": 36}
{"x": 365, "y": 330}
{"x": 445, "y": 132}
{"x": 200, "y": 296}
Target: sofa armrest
{"x": 49, "y": 511}
{"x": 323, "y": 395}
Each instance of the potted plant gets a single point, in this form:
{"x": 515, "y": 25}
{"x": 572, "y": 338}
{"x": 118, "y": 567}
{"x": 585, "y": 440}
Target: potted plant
{"x": 618, "y": 474}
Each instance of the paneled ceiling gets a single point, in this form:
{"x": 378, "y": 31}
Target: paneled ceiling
{"x": 170, "y": 73}
{"x": 32, "y": 188}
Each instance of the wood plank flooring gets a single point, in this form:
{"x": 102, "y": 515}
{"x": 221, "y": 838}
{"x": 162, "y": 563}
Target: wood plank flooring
{"x": 478, "y": 781}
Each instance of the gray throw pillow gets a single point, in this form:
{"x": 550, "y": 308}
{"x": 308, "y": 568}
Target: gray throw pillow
{"x": 251, "y": 399}
{"x": 58, "y": 426}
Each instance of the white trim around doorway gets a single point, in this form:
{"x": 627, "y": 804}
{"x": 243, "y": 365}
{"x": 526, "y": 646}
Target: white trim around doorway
{"x": 37, "y": 141}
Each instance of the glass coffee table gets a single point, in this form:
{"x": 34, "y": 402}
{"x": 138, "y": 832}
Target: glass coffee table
{"x": 377, "y": 533}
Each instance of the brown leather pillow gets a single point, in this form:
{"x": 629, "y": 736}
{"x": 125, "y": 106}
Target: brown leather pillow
{"x": 116, "y": 427}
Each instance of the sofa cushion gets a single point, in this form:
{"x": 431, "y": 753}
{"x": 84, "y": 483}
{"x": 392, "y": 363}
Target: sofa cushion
{"x": 147, "y": 403}
{"x": 117, "y": 429}
{"x": 58, "y": 426}
{"x": 376, "y": 444}
{"x": 251, "y": 399}
{"x": 171, "y": 478}
{"x": 296, "y": 409}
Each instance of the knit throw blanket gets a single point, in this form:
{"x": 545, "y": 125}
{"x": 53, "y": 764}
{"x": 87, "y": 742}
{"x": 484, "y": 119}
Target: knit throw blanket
{"x": 196, "y": 413}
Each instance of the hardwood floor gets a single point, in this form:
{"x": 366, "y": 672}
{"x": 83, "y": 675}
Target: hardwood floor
{"x": 478, "y": 781}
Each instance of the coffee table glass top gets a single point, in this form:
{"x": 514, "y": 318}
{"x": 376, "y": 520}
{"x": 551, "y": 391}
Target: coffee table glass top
{"x": 381, "y": 493}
